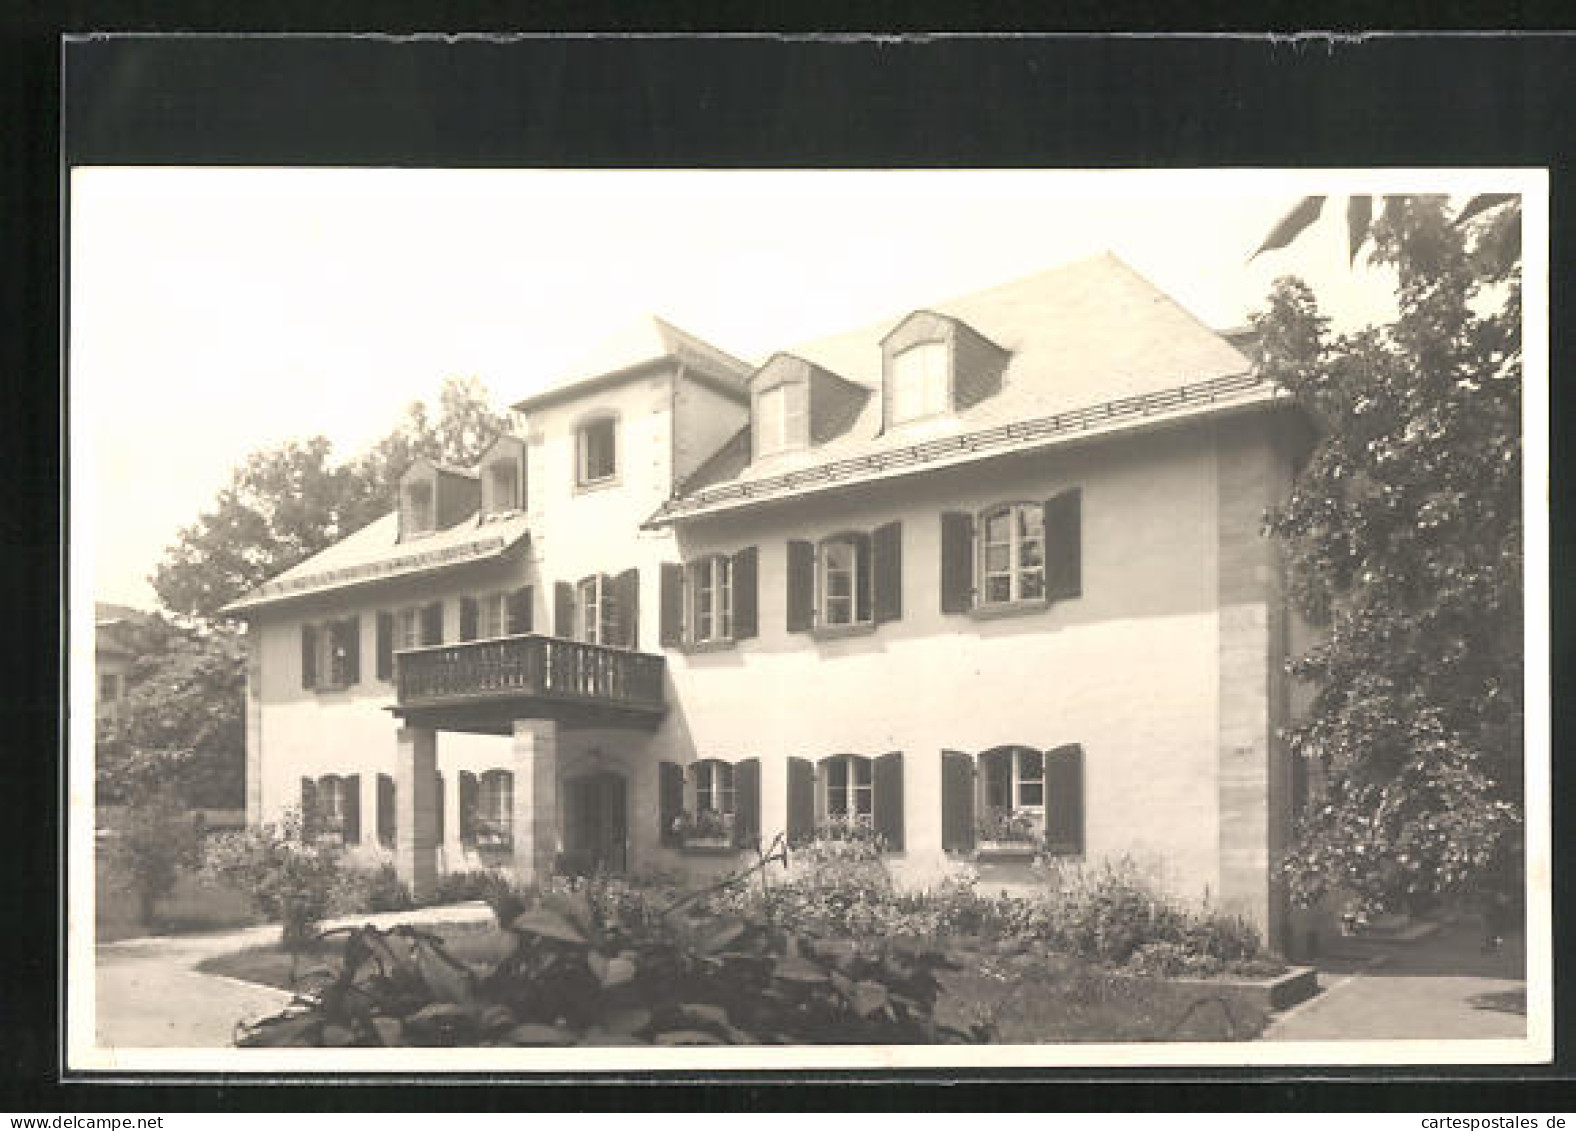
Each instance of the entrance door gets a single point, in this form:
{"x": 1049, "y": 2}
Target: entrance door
{"x": 596, "y": 831}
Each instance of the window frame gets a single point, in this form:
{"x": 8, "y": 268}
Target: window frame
{"x": 934, "y": 389}
{"x": 489, "y": 605}
{"x": 407, "y": 628}
{"x": 1014, "y": 546}
{"x": 423, "y": 518}
{"x": 717, "y": 572}
{"x": 719, "y": 793}
{"x": 860, "y": 582}
{"x": 494, "y": 815}
{"x": 792, "y": 427}
{"x": 584, "y": 480}
{"x": 591, "y": 615}
{"x": 331, "y": 808}
{"x": 850, "y": 788}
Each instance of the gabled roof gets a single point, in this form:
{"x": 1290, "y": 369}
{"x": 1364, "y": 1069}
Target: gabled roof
{"x": 1081, "y": 337}
{"x": 374, "y": 554}
{"x": 646, "y": 341}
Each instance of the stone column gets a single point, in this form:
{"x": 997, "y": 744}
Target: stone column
{"x": 536, "y": 832}
{"x": 416, "y": 813}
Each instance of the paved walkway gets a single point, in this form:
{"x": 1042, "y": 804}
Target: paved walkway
{"x": 150, "y": 996}
{"x": 1441, "y": 988}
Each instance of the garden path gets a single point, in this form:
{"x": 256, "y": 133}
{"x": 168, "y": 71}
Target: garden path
{"x": 1445, "y": 987}
{"x": 150, "y": 996}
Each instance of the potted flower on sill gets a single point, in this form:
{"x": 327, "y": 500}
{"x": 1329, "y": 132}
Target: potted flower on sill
{"x": 707, "y": 829}
{"x": 1004, "y": 835}
{"x": 493, "y": 835}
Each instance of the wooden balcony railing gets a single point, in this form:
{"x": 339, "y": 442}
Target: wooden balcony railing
{"x": 524, "y": 667}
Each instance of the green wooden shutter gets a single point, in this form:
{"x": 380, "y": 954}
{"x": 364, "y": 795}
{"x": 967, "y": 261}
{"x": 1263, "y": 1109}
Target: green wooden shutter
{"x": 957, "y": 801}
{"x": 519, "y": 611}
{"x": 957, "y": 562}
{"x": 432, "y": 623}
{"x": 467, "y": 807}
{"x": 387, "y": 828}
{"x": 1064, "y": 545}
{"x": 385, "y": 660}
{"x": 626, "y": 608}
{"x": 801, "y": 586}
{"x": 888, "y": 780}
{"x": 308, "y": 655}
{"x": 439, "y": 804}
{"x": 801, "y": 801}
{"x": 309, "y": 823}
{"x": 670, "y": 632}
{"x": 469, "y": 616}
{"x": 746, "y": 623}
{"x": 564, "y": 610}
{"x": 353, "y": 809}
{"x": 352, "y": 631}
{"x": 670, "y": 802}
{"x": 886, "y": 572}
{"x": 747, "y": 802}
{"x": 1064, "y": 801}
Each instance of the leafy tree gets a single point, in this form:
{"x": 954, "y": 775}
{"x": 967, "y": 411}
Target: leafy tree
{"x": 1403, "y": 537}
{"x": 181, "y": 725}
{"x": 286, "y": 504}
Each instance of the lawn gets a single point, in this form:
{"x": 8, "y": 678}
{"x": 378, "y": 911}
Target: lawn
{"x": 1034, "y": 998}
{"x": 195, "y": 905}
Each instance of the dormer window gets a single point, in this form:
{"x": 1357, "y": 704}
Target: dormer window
{"x": 920, "y": 384}
{"x": 419, "y": 506}
{"x": 780, "y": 423}
{"x": 596, "y": 452}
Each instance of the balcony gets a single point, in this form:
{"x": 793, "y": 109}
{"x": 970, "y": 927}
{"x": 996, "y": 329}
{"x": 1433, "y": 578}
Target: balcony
{"x": 484, "y": 685}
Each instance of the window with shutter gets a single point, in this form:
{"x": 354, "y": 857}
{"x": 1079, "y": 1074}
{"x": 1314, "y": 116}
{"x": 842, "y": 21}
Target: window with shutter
{"x": 1011, "y": 797}
{"x": 1011, "y": 565}
{"x": 670, "y": 804}
{"x": 847, "y": 792}
{"x": 308, "y": 655}
{"x": 888, "y": 817}
{"x": 520, "y": 611}
{"x": 886, "y": 572}
{"x": 745, "y": 616}
{"x": 387, "y": 811}
{"x": 801, "y": 801}
{"x": 432, "y": 624}
{"x": 352, "y": 809}
{"x": 494, "y": 821}
{"x": 957, "y": 562}
{"x": 801, "y": 586}
{"x": 747, "y": 802}
{"x": 843, "y": 579}
{"x": 709, "y": 595}
{"x": 670, "y": 631}
{"x": 712, "y": 790}
{"x": 385, "y": 658}
{"x": 957, "y": 801}
{"x": 1063, "y": 524}
{"x": 469, "y": 617}
{"x": 1064, "y": 801}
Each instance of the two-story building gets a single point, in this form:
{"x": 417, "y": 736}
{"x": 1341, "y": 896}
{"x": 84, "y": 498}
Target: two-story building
{"x": 988, "y": 577}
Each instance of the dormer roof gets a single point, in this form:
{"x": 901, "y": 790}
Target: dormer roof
{"x": 647, "y": 342}
{"x": 1085, "y": 342}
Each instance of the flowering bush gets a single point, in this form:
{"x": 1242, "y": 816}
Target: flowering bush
{"x": 286, "y": 879}
{"x": 371, "y": 890}
{"x": 1007, "y": 826}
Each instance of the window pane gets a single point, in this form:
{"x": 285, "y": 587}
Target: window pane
{"x": 998, "y": 559}
{"x": 1030, "y": 521}
{"x": 863, "y": 801}
{"x": 862, "y": 771}
{"x": 998, "y": 783}
{"x": 1031, "y": 554}
{"x": 1031, "y": 765}
{"x": 998, "y": 528}
{"x": 998, "y": 588}
{"x": 1031, "y": 794}
{"x": 1031, "y": 585}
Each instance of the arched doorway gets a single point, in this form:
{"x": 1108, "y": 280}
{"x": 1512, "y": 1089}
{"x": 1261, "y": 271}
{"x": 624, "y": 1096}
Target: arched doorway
{"x": 596, "y": 824}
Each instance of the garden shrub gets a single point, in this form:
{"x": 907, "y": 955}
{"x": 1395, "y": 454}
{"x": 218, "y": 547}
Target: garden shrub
{"x": 371, "y": 890}
{"x": 288, "y": 880}
{"x": 582, "y": 972}
{"x": 462, "y": 887}
{"x": 156, "y": 841}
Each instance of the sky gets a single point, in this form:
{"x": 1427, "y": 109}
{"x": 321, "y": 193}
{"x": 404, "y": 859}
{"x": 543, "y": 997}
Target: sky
{"x": 217, "y": 312}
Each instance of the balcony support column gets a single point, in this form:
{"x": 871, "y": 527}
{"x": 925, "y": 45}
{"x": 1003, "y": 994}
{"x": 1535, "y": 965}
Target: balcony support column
{"x": 416, "y": 809}
{"x": 537, "y": 838}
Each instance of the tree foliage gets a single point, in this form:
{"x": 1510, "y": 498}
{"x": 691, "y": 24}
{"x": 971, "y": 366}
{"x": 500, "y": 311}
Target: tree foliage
{"x": 182, "y": 722}
{"x": 286, "y": 504}
{"x": 154, "y": 842}
{"x": 1403, "y": 537}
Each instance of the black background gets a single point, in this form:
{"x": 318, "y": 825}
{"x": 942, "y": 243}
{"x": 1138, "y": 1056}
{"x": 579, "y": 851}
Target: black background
{"x": 761, "y": 101}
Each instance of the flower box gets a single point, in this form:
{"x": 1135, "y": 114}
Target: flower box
{"x": 708, "y": 844}
{"x": 1014, "y": 850}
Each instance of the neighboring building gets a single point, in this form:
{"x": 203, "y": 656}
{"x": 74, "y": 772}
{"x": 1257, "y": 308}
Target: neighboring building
{"x": 981, "y": 573}
{"x": 113, "y": 654}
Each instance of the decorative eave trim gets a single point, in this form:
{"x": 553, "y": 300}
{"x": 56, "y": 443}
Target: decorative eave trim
{"x": 389, "y": 569}
{"x": 1217, "y": 394}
